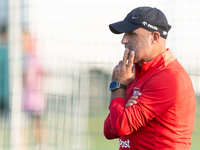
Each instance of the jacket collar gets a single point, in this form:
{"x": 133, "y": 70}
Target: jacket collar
{"x": 161, "y": 60}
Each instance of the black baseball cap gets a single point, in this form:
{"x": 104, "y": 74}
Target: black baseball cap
{"x": 151, "y": 19}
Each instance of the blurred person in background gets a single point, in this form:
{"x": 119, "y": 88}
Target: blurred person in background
{"x": 33, "y": 98}
{"x": 4, "y": 71}
{"x": 152, "y": 97}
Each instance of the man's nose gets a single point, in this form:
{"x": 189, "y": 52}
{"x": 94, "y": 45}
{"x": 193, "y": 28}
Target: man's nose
{"x": 125, "y": 39}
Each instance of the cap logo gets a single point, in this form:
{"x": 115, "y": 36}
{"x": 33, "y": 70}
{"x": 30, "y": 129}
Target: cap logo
{"x": 134, "y": 17}
{"x": 149, "y": 25}
{"x": 144, "y": 23}
{"x": 164, "y": 33}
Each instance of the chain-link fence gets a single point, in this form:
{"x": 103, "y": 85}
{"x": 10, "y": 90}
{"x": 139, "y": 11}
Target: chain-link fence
{"x": 75, "y": 54}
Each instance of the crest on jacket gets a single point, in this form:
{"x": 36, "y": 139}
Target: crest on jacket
{"x": 136, "y": 90}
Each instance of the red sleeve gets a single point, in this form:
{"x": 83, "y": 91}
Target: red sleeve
{"x": 124, "y": 121}
{"x": 108, "y": 131}
{"x": 158, "y": 94}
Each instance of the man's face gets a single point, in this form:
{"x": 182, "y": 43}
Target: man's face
{"x": 139, "y": 41}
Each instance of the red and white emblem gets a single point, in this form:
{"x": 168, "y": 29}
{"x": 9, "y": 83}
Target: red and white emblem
{"x": 136, "y": 90}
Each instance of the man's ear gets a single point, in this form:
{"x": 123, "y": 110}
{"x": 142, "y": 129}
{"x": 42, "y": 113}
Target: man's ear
{"x": 156, "y": 37}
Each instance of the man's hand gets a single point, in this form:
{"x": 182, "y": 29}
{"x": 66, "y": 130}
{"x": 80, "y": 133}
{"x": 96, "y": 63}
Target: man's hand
{"x": 125, "y": 73}
{"x": 132, "y": 100}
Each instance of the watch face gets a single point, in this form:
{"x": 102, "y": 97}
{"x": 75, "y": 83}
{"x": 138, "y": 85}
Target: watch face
{"x": 113, "y": 85}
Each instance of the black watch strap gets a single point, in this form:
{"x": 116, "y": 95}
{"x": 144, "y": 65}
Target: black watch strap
{"x": 123, "y": 86}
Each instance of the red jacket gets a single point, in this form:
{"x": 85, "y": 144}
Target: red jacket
{"x": 164, "y": 117}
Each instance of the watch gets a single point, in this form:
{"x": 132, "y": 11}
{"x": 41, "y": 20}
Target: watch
{"x": 115, "y": 85}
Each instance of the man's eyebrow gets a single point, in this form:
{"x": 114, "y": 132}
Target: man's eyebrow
{"x": 133, "y": 32}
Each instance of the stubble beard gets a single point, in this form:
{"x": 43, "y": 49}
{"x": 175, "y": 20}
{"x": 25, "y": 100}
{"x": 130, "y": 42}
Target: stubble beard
{"x": 130, "y": 50}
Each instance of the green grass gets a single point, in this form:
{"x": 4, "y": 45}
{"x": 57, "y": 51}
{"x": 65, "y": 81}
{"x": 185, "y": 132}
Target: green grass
{"x": 97, "y": 141}
{"x": 196, "y": 132}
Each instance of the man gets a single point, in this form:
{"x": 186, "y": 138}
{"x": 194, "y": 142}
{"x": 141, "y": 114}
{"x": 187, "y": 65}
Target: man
{"x": 152, "y": 97}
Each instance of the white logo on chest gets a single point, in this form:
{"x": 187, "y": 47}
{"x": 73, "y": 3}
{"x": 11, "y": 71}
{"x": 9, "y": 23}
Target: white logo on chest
{"x": 124, "y": 144}
{"x": 136, "y": 90}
